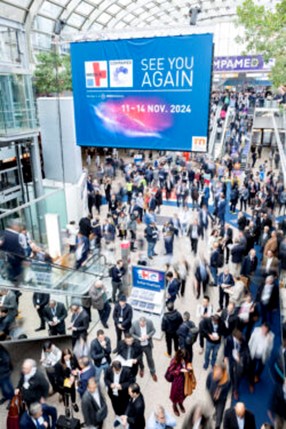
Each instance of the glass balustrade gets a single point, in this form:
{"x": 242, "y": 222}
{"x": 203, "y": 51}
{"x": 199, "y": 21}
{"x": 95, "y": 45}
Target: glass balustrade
{"x": 50, "y": 278}
{"x": 51, "y": 282}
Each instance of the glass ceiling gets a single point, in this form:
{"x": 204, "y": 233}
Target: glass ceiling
{"x": 96, "y": 15}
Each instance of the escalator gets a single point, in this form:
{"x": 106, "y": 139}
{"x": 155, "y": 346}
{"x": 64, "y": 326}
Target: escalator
{"x": 54, "y": 279}
{"x": 61, "y": 284}
{"x": 219, "y": 147}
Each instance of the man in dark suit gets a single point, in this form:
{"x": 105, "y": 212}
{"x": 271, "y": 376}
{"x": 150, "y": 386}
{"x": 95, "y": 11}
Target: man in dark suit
{"x": 32, "y": 384}
{"x": 93, "y": 405}
{"x": 79, "y": 323}
{"x": 130, "y": 349}
{"x": 225, "y": 282}
{"x": 221, "y": 207}
{"x": 237, "y": 253}
{"x": 122, "y": 316}
{"x": 134, "y": 414}
{"x": 117, "y": 272}
{"x": 229, "y": 318}
{"x": 173, "y": 287}
{"x": 214, "y": 263}
{"x": 213, "y": 331}
{"x": 268, "y": 298}
{"x": 238, "y": 417}
{"x": 55, "y": 314}
{"x": 249, "y": 264}
{"x": 10, "y": 242}
{"x": 86, "y": 372}
{"x": 171, "y": 322}
{"x": 117, "y": 379}
{"x": 39, "y": 416}
{"x": 195, "y": 231}
{"x": 204, "y": 216}
{"x": 236, "y": 353}
{"x": 100, "y": 350}
{"x": 40, "y": 300}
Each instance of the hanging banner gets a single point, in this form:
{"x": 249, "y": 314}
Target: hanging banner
{"x": 148, "y": 93}
{"x": 242, "y": 63}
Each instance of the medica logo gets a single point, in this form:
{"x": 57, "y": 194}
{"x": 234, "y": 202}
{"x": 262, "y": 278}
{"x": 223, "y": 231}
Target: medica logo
{"x": 96, "y": 74}
{"x": 109, "y": 74}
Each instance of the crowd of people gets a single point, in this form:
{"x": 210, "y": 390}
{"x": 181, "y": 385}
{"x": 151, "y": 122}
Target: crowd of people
{"x": 234, "y": 262}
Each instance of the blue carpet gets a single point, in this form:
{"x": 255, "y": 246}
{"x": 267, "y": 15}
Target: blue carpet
{"x": 258, "y": 401}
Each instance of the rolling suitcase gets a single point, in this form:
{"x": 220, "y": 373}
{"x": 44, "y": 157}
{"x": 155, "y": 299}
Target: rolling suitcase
{"x": 68, "y": 421}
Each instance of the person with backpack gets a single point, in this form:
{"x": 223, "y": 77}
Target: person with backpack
{"x": 187, "y": 334}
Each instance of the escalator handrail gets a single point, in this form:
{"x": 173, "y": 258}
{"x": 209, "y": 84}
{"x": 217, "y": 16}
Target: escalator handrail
{"x": 58, "y": 266}
{"x": 214, "y": 131}
{"x": 226, "y": 124}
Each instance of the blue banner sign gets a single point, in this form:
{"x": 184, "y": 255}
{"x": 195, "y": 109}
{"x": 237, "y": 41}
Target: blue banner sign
{"x": 143, "y": 93}
{"x": 242, "y": 63}
{"x": 147, "y": 278}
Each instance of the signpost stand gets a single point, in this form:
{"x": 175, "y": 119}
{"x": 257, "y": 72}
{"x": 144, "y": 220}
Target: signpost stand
{"x": 148, "y": 295}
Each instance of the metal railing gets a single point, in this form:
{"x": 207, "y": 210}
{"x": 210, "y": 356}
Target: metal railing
{"x": 280, "y": 147}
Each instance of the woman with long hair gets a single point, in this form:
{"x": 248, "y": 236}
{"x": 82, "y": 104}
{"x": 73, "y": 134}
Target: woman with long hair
{"x": 177, "y": 369}
{"x": 66, "y": 372}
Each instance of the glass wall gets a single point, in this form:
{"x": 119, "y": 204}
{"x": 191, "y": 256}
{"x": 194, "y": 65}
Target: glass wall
{"x": 33, "y": 214}
{"x": 10, "y": 51}
{"x": 17, "y": 110}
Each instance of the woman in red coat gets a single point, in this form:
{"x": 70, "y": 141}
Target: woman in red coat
{"x": 177, "y": 369}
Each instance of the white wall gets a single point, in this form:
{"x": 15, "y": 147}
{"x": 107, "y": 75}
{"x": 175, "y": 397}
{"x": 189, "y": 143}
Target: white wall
{"x": 50, "y": 110}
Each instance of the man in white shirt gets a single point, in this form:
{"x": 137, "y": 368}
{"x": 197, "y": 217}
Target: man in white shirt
{"x": 270, "y": 264}
{"x": 260, "y": 347}
{"x": 50, "y": 356}
{"x": 143, "y": 330}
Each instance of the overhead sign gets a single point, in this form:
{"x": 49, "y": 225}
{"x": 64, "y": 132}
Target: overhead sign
{"x": 147, "y": 278}
{"x": 241, "y": 63}
{"x": 143, "y": 93}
